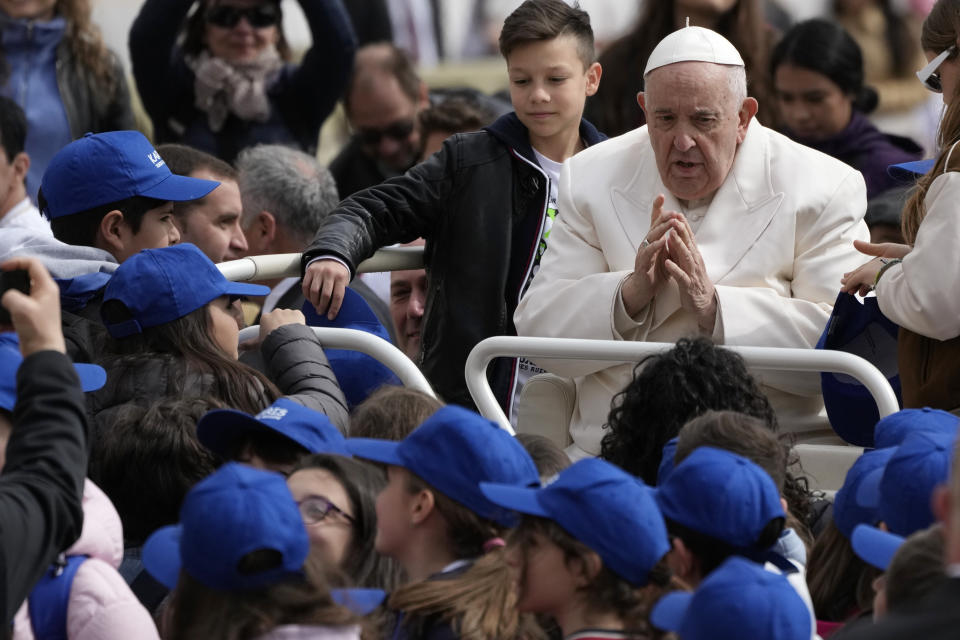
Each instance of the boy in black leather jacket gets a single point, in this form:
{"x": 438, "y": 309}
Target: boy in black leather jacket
{"x": 484, "y": 203}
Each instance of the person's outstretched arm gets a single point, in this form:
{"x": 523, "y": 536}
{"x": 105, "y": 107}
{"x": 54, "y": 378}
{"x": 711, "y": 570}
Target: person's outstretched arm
{"x": 41, "y": 485}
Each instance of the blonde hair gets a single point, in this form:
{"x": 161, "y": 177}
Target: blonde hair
{"x": 85, "y": 41}
{"x": 940, "y": 32}
{"x": 481, "y": 602}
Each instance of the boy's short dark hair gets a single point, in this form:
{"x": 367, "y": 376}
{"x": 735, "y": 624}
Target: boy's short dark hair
{"x": 80, "y": 229}
{"x": 541, "y": 20}
{"x": 147, "y": 458}
{"x": 274, "y": 449}
{"x": 454, "y": 115}
{"x": 739, "y": 433}
{"x": 13, "y": 127}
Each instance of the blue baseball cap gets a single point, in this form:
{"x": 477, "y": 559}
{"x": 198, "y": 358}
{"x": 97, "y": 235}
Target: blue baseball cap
{"x": 720, "y": 495}
{"x": 910, "y": 171}
{"x": 667, "y": 460}
{"x": 161, "y": 285}
{"x": 893, "y": 430}
{"x": 603, "y": 507}
{"x": 102, "y": 168}
{"x": 310, "y": 429}
{"x": 847, "y": 513}
{"x": 454, "y": 450}
{"x": 901, "y": 490}
{"x": 860, "y": 328}
{"x": 227, "y": 515}
{"x": 358, "y": 374}
{"x": 874, "y": 546}
{"x": 92, "y": 376}
{"x": 738, "y": 601}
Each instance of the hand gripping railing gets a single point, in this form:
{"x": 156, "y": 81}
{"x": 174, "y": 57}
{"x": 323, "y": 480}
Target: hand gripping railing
{"x": 367, "y": 343}
{"x": 285, "y": 265}
{"x": 767, "y": 358}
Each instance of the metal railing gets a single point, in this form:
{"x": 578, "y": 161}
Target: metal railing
{"x": 286, "y": 265}
{"x": 764, "y": 358}
{"x": 367, "y": 343}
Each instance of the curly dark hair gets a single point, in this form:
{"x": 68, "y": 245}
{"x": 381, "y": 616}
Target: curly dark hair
{"x": 670, "y": 389}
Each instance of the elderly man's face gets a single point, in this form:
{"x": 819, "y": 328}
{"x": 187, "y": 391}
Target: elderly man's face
{"x": 695, "y": 125}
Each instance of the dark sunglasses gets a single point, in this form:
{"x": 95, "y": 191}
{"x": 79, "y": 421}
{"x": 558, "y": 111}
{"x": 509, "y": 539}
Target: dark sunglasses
{"x": 226, "y": 16}
{"x": 930, "y": 75}
{"x": 314, "y": 509}
{"x": 397, "y": 131}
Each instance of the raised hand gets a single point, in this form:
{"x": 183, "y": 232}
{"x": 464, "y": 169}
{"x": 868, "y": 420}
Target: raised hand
{"x": 648, "y": 268}
{"x": 685, "y": 266}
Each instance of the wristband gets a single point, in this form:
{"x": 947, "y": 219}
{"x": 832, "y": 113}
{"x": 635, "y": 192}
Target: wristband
{"x": 886, "y": 265}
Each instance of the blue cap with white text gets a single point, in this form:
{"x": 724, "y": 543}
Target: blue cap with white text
{"x": 103, "y": 168}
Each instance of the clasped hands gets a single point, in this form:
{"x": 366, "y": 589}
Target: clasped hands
{"x": 669, "y": 252}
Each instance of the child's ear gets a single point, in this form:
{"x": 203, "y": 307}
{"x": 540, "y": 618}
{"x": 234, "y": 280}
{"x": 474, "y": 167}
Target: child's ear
{"x": 422, "y": 505}
{"x": 590, "y": 566}
{"x": 940, "y": 502}
{"x": 111, "y": 233}
{"x": 594, "y": 71}
{"x": 21, "y": 165}
{"x": 680, "y": 560}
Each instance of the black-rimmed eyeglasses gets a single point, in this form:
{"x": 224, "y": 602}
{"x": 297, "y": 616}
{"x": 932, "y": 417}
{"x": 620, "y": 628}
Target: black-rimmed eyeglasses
{"x": 314, "y": 509}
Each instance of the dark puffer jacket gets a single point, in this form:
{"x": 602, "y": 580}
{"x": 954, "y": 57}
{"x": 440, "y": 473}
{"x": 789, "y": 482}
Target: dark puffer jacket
{"x": 295, "y": 363}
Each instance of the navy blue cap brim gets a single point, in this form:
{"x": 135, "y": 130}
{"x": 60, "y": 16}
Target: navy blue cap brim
{"x": 868, "y": 493}
{"x": 875, "y": 547}
{"x": 669, "y": 612}
{"x": 92, "y": 376}
{"x": 383, "y": 451}
{"x": 176, "y": 188}
{"x": 520, "y": 499}
{"x": 161, "y": 555}
{"x": 219, "y": 428}
{"x": 245, "y": 289}
{"x": 910, "y": 171}
{"x": 361, "y": 602}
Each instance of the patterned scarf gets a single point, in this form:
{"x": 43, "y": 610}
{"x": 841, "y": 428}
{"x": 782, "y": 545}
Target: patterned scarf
{"x": 223, "y": 87}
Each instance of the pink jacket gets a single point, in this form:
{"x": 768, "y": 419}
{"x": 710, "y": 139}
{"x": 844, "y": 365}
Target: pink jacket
{"x": 101, "y": 607}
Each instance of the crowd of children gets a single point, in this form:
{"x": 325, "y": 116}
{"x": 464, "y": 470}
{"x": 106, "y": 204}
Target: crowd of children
{"x": 190, "y": 495}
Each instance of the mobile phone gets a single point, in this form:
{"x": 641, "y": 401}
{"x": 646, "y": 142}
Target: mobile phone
{"x": 17, "y": 279}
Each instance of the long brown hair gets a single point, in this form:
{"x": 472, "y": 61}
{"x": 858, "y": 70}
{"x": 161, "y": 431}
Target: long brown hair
{"x": 481, "y": 602}
{"x": 840, "y": 582}
{"x": 607, "y": 592}
{"x": 188, "y": 346}
{"x": 614, "y": 109}
{"x": 197, "y": 611}
{"x": 940, "y": 32}
{"x": 194, "y": 30}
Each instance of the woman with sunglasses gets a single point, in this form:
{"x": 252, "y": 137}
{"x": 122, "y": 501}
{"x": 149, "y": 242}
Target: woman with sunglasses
{"x": 54, "y": 64}
{"x": 918, "y": 283}
{"x": 222, "y": 79}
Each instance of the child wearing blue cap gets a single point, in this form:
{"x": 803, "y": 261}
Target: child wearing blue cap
{"x": 590, "y": 550}
{"x": 716, "y": 505}
{"x": 275, "y": 439}
{"x": 237, "y": 565}
{"x": 738, "y": 601}
{"x": 173, "y": 334}
{"x": 444, "y": 532}
{"x": 839, "y": 581}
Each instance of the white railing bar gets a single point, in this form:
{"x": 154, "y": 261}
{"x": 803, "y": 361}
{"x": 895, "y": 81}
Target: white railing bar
{"x": 286, "y": 265}
{"x": 374, "y": 346}
{"x": 766, "y": 358}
